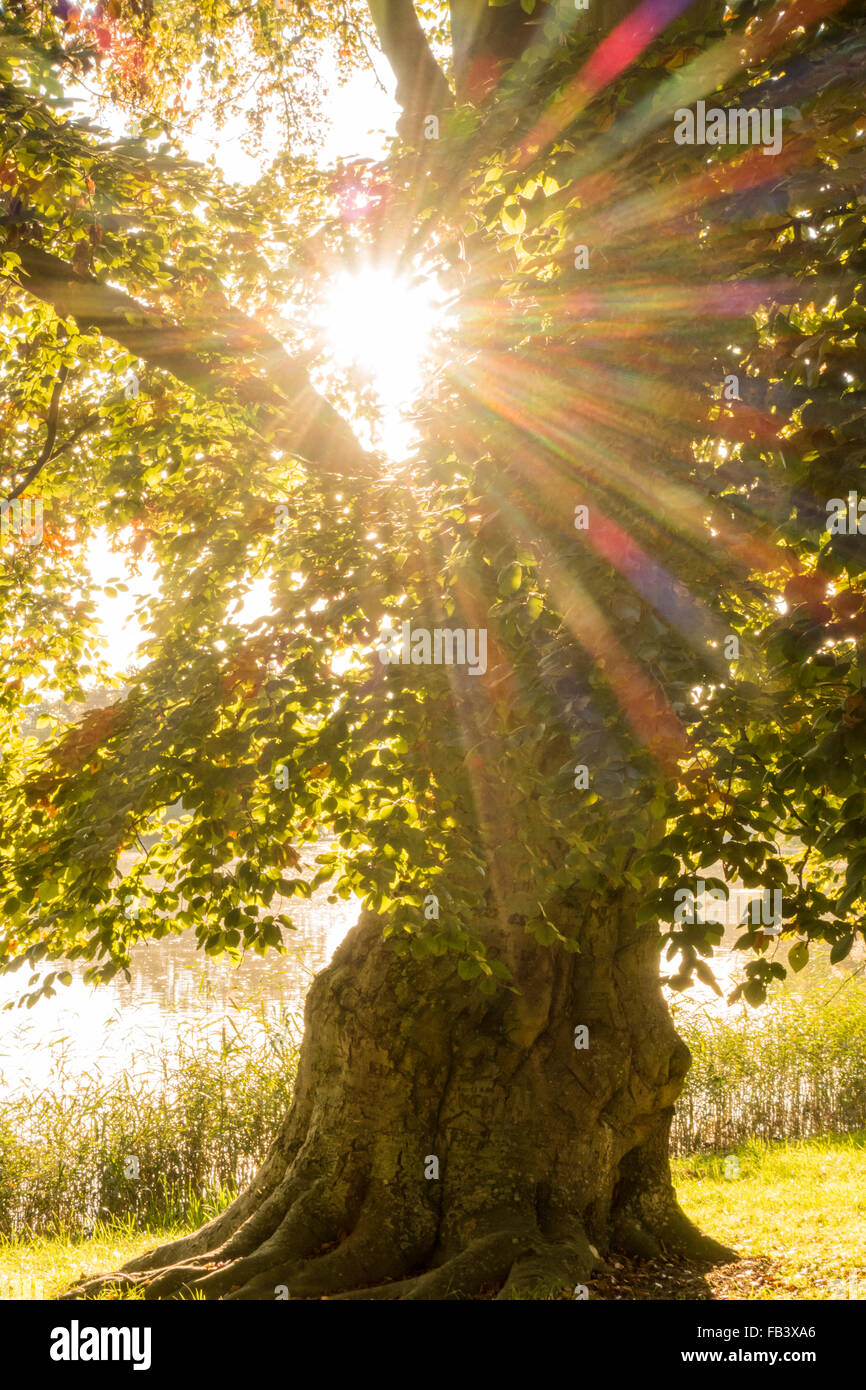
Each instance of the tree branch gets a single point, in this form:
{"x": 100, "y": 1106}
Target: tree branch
{"x": 49, "y": 458}
{"x": 487, "y": 40}
{"x": 239, "y": 356}
{"x": 51, "y": 434}
{"x": 422, "y": 89}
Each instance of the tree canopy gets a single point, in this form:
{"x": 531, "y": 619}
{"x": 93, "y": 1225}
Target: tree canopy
{"x": 669, "y": 336}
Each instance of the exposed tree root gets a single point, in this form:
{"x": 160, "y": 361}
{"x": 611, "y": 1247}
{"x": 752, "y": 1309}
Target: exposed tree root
{"x": 506, "y": 1259}
{"x": 547, "y": 1155}
{"x": 516, "y": 1261}
{"x": 647, "y": 1219}
{"x": 676, "y": 1235}
{"x": 486, "y": 1260}
{"x": 544, "y": 1268}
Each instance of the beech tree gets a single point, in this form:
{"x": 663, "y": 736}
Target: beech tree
{"x": 638, "y": 474}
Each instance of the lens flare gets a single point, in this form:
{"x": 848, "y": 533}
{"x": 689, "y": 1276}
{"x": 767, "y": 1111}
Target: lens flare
{"x": 382, "y": 323}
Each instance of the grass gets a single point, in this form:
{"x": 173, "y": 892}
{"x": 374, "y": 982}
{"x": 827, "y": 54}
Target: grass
{"x": 44, "y": 1266}
{"x": 796, "y": 1214}
{"x": 799, "y": 1205}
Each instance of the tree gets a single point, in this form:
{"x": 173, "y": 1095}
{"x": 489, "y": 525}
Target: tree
{"x": 654, "y": 392}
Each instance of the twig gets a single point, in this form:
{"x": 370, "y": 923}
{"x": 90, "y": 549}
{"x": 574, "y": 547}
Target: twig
{"x": 55, "y": 453}
{"x": 51, "y": 422}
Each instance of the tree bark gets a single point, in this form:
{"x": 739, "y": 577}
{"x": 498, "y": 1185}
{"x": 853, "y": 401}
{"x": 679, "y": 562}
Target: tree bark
{"x": 486, "y": 41}
{"x": 422, "y": 89}
{"x": 443, "y": 1143}
{"x": 549, "y": 1155}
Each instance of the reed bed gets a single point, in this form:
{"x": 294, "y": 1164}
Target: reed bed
{"x": 199, "y": 1117}
{"x": 169, "y": 1141}
{"x": 794, "y": 1070}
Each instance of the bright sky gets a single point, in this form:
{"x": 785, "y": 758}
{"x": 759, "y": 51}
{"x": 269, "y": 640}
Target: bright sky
{"x": 116, "y": 612}
{"x": 370, "y": 320}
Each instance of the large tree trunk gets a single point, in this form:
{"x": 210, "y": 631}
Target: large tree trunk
{"x": 548, "y": 1154}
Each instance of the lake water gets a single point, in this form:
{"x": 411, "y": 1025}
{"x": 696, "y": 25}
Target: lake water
{"x": 175, "y": 987}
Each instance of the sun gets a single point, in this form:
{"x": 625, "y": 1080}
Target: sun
{"x": 384, "y": 323}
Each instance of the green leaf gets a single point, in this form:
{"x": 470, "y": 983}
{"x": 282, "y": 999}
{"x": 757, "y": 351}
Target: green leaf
{"x": 841, "y": 948}
{"x": 510, "y": 579}
{"x": 798, "y": 956}
{"x": 513, "y": 218}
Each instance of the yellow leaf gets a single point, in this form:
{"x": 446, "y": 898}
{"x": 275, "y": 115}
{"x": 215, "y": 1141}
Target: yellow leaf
{"x": 513, "y": 217}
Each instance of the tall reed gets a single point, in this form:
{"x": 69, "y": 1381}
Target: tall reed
{"x": 161, "y": 1143}
{"x": 198, "y": 1119}
{"x": 794, "y": 1070}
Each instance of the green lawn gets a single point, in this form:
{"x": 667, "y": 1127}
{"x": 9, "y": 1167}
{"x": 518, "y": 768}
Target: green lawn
{"x": 795, "y": 1212}
{"x": 57, "y": 1263}
{"x": 799, "y": 1208}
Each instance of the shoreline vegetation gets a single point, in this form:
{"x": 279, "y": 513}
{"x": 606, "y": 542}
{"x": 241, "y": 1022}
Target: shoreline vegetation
{"x": 185, "y": 1126}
